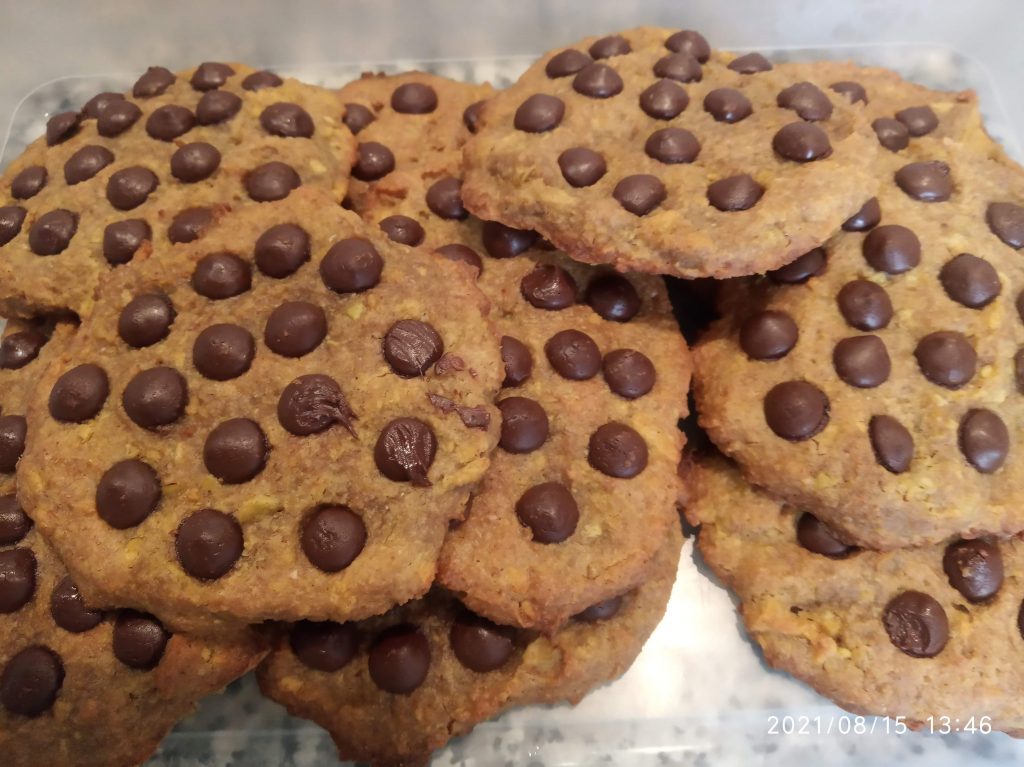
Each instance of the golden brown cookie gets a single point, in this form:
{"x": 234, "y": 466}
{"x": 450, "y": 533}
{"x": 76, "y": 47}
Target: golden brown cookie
{"x": 243, "y": 428}
{"x": 131, "y": 173}
{"x": 877, "y": 382}
{"x": 649, "y": 151}
{"x": 583, "y": 484}
{"x": 883, "y": 634}
{"x": 393, "y": 689}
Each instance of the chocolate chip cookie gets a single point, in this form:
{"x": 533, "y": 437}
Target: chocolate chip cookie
{"x": 130, "y": 173}
{"x": 649, "y": 151}
{"x": 392, "y": 689}
{"x": 877, "y": 381}
{"x": 583, "y": 484}
{"x": 887, "y": 633}
{"x": 244, "y": 428}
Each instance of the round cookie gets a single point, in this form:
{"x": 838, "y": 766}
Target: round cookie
{"x": 648, "y": 151}
{"x": 877, "y": 382}
{"x": 583, "y": 483}
{"x": 262, "y": 443}
{"x": 392, "y": 689}
{"x": 129, "y": 174}
{"x": 881, "y": 633}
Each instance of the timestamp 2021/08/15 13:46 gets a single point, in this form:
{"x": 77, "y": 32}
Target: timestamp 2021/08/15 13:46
{"x": 850, "y": 724}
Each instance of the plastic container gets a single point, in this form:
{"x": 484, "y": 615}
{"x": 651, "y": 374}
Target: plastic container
{"x": 700, "y": 693}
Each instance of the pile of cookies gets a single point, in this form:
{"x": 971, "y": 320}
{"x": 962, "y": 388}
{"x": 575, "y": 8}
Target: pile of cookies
{"x": 377, "y": 390}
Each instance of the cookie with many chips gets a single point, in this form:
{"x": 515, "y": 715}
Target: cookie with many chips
{"x": 130, "y": 173}
{"x": 243, "y": 429}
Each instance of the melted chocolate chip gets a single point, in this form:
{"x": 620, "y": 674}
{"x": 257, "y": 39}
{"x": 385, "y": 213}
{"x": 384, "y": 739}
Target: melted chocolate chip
{"x": 405, "y": 451}
{"x": 768, "y": 335}
{"x": 852, "y": 90}
{"x": 974, "y": 568}
{"x": 127, "y": 493}
{"x": 313, "y": 403}
{"x": 916, "y": 624}
{"x": 549, "y": 511}
{"x": 332, "y": 538}
{"x": 573, "y": 355}
{"x": 236, "y": 451}
{"x": 411, "y": 347}
{"x": 548, "y": 287}
{"x": 796, "y": 410}
{"x": 892, "y": 444}
{"x": 208, "y": 543}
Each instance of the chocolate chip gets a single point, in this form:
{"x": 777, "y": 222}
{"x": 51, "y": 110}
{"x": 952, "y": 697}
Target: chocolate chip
{"x": 524, "y": 425}
{"x": 139, "y": 640}
{"x": 1006, "y": 221}
{"x": 539, "y": 113}
{"x": 403, "y": 229}
{"x": 95, "y": 106}
{"x": 617, "y": 450}
{"x": 170, "y": 121}
{"x": 122, "y": 240}
{"x": 30, "y": 681}
{"x": 471, "y": 116}
{"x": 916, "y": 624}
{"x": 313, "y": 403}
{"x": 17, "y": 579}
{"x": 221, "y": 275}
{"x": 351, "y": 266}
{"x": 810, "y": 264}
{"x": 295, "y": 328}
{"x": 195, "y": 162}
{"x": 127, "y": 493}
{"x": 155, "y": 397}
{"x": 210, "y": 75}
{"x": 146, "y": 320}
{"x": 598, "y": 81}
{"x": 153, "y": 82}
{"x": 801, "y": 142}
{"x": 548, "y": 287}
{"x": 189, "y": 225}
{"x": 79, "y": 394}
{"x": 892, "y": 443}
{"x": 925, "y": 181}
{"x": 332, "y": 537}
{"x": 807, "y": 100}
{"x": 970, "y": 281}
{"x": 405, "y": 451}
{"x": 13, "y": 430}
{"x": 628, "y": 373}
{"x": 258, "y": 81}
{"x": 567, "y": 62}
{"x": 768, "y": 335}
{"x": 664, "y": 100}
{"x": 222, "y": 352}
{"x": 83, "y": 164}
{"x": 399, "y": 659}
{"x": 30, "y": 182}
{"x": 68, "y": 609}
{"x": 920, "y": 121}
{"x": 640, "y": 194}
{"x": 502, "y": 241}
{"x": 984, "y": 440}
{"x": 750, "y": 64}
{"x": 52, "y": 232}
{"x": 818, "y": 538}
{"x": 946, "y": 358}
{"x": 414, "y": 99}
{"x": 411, "y": 347}
{"x": 581, "y": 167}
{"x": 682, "y": 67}
{"x": 479, "y": 644}
{"x": 208, "y": 543}
{"x": 216, "y": 107}
{"x": 236, "y": 451}
{"x": 462, "y": 253}
{"x": 862, "y": 361}
{"x": 550, "y": 511}
{"x": 735, "y": 193}
{"x": 672, "y": 146}
{"x": 444, "y": 198}
{"x": 892, "y": 248}
{"x": 865, "y": 305}
{"x": 271, "y": 181}
{"x": 357, "y": 117}
{"x": 19, "y": 349}
{"x": 14, "y": 522}
{"x": 891, "y": 134}
{"x": 374, "y": 161}
{"x": 117, "y": 118}
{"x": 573, "y": 354}
{"x": 612, "y": 45}
{"x": 281, "y": 250}
{"x": 517, "y": 360}
{"x": 11, "y": 219}
{"x": 287, "y": 120}
{"x": 61, "y": 127}
{"x": 796, "y": 410}
{"x": 600, "y": 611}
{"x": 324, "y": 646}
{"x": 864, "y": 219}
{"x": 727, "y": 105}
{"x": 688, "y": 41}
{"x": 852, "y": 90}
{"x": 130, "y": 187}
{"x": 974, "y": 568}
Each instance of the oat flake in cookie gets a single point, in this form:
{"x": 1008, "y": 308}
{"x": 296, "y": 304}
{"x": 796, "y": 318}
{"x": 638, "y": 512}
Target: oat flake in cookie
{"x": 131, "y": 173}
{"x": 658, "y": 154}
{"x": 880, "y": 633}
{"x": 254, "y": 453}
{"x": 392, "y": 689}
{"x": 583, "y": 483}
{"x": 880, "y": 388}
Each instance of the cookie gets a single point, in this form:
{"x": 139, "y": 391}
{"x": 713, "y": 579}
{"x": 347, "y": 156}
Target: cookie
{"x": 130, "y": 174}
{"x": 913, "y": 633}
{"x": 583, "y": 483}
{"x": 877, "y": 382}
{"x": 649, "y": 151}
{"x": 393, "y": 689}
{"x": 244, "y": 430}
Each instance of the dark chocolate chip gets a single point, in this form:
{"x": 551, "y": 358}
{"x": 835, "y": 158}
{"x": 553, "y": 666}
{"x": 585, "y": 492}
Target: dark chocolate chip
{"x": 351, "y": 266}
{"x": 324, "y": 646}
{"x": 628, "y": 373}
{"x": 539, "y": 113}
{"x": 411, "y": 347}
{"x": 640, "y": 194}
{"x": 810, "y": 264}
{"x": 373, "y": 161}
{"x": 916, "y": 624}
{"x": 664, "y": 100}
{"x": 52, "y": 232}
{"x": 864, "y": 219}
{"x": 139, "y": 640}
{"x": 567, "y": 62}
{"x": 271, "y": 181}
{"x": 68, "y": 609}
{"x": 405, "y": 451}
{"x": 854, "y": 91}
{"x": 862, "y": 361}
{"x": 549, "y": 287}
{"x": 582, "y": 167}
{"x": 403, "y": 229}
{"x": 30, "y": 182}
{"x": 399, "y": 659}
{"x": 153, "y": 82}
{"x": 295, "y": 328}
{"x": 796, "y": 410}
{"x": 617, "y": 450}
{"x": 807, "y": 100}
{"x": 600, "y": 611}
{"x": 801, "y": 142}
{"x": 750, "y": 64}
{"x": 573, "y": 354}
{"x": 865, "y": 305}
{"x": 1006, "y": 220}
{"x": 14, "y": 522}
{"x": 17, "y": 579}
{"x": 612, "y": 45}
{"x": 479, "y": 644}
{"x": 210, "y": 75}
{"x": 681, "y": 67}
{"x": 502, "y": 241}
{"x": 11, "y": 219}
{"x": 222, "y": 352}
{"x": 672, "y": 146}
{"x": 597, "y": 81}
{"x": 946, "y": 358}
{"x": 122, "y": 240}
{"x": 195, "y": 162}
{"x": 19, "y": 349}
{"x": 974, "y": 568}
{"x": 258, "y": 81}
{"x": 818, "y": 538}
{"x": 727, "y": 105}
{"x": 313, "y": 403}
{"x": 61, "y": 127}
{"x": 169, "y": 122}
{"x": 128, "y": 188}
{"x": 768, "y": 335}
{"x": 517, "y": 360}
{"x": 524, "y": 425}
{"x": 156, "y": 397}
{"x": 332, "y": 538}
{"x": 414, "y": 99}
{"x": 13, "y": 430}
{"x": 92, "y": 108}
{"x": 189, "y": 225}
{"x": 891, "y": 134}
{"x": 221, "y": 275}
{"x": 925, "y": 181}
{"x": 735, "y": 193}
{"x": 970, "y": 281}
{"x": 357, "y": 117}
{"x": 549, "y": 511}
{"x": 86, "y": 163}
{"x": 920, "y": 121}
{"x": 892, "y": 444}
{"x": 287, "y": 120}
{"x": 462, "y": 253}
{"x": 984, "y": 440}
{"x": 208, "y": 543}
{"x": 281, "y": 250}
{"x": 444, "y": 198}
{"x": 216, "y": 107}
{"x": 236, "y": 451}
{"x": 471, "y": 116}
{"x": 127, "y": 493}
{"x": 79, "y": 394}
{"x": 117, "y": 118}
{"x": 892, "y": 249}
{"x": 31, "y": 681}
{"x": 688, "y": 41}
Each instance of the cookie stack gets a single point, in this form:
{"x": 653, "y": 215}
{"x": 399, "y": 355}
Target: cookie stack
{"x": 378, "y": 389}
